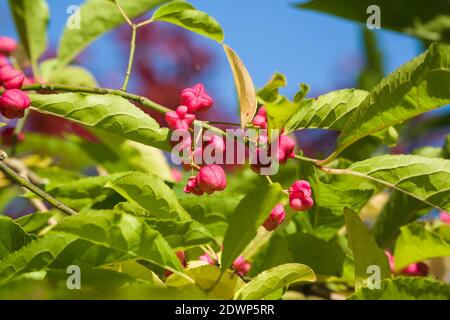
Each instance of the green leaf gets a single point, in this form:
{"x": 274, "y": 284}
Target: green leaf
{"x": 136, "y": 270}
{"x": 185, "y": 15}
{"x": 328, "y": 111}
{"x": 98, "y": 17}
{"x": 96, "y": 279}
{"x": 69, "y": 75}
{"x": 33, "y": 222}
{"x": 418, "y": 18}
{"x": 415, "y": 88}
{"x": 280, "y": 111}
{"x": 12, "y": 237}
{"x": 250, "y": 214}
{"x": 373, "y": 69}
{"x": 269, "y": 93}
{"x": 273, "y": 279}
{"x": 244, "y": 85}
{"x": 405, "y": 288}
{"x": 366, "y": 253}
{"x": 147, "y": 159}
{"x": 212, "y": 211}
{"x": 65, "y": 151}
{"x": 400, "y": 209}
{"x": 36, "y": 255}
{"x": 181, "y": 234}
{"x": 323, "y": 257}
{"x": 84, "y": 192}
{"x": 123, "y": 233}
{"x": 151, "y": 193}
{"x": 205, "y": 278}
{"x": 416, "y": 244}
{"x": 426, "y": 179}
{"x": 107, "y": 112}
{"x": 31, "y": 18}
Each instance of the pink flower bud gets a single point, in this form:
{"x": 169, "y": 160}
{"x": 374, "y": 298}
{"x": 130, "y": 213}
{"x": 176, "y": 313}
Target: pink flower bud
{"x": 241, "y": 266}
{"x": 13, "y": 103}
{"x": 192, "y": 187}
{"x": 211, "y": 178}
{"x": 260, "y": 119}
{"x": 11, "y": 78}
{"x": 207, "y": 258}
{"x": 300, "y": 196}
{"x": 196, "y": 98}
{"x": 179, "y": 119}
{"x": 176, "y": 175}
{"x": 216, "y": 142}
{"x": 444, "y": 217}
{"x": 416, "y": 270}
{"x": 8, "y": 135}
{"x": 3, "y": 61}
{"x": 7, "y": 45}
{"x": 182, "y": 257}
{"x": 285, "y": 148}
{"x": 275, "y": 218}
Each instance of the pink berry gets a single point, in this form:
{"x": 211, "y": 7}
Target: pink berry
{"x": 211, "y": 178}
{"x": 196, "y": 98}
{"x": 7, "y": 45}
{"x": 192, "y": 187}
{"x": 415, "y": 269}
{"x": 3, "y": 61}
{"x": 300, "y": 196}
{"x": 176, "y": 175}
{"x": 207, "y": 258}
{"x": 276, "y": 217}
{"x": 419, "y": 269}
{"x": 179, "y": 119}
{"x": 260, "y": 119}
{"x": 286, "y": 148}
{"x": 11, "y": 78}
{"x": 444, "y": 217}
{"x": 13, "y": 103}
{"x": 241, "y": 266}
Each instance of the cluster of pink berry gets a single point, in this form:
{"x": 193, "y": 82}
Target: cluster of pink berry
{"x": 286, "y": 144}
{"x": 300, "y": 199}
{"x": 240, "y": 265}
{"x": 211, "y": 177}
{"x": 13, "y": 101}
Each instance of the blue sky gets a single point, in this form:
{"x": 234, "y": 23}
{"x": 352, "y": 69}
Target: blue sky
{"x": 269, "y": 35}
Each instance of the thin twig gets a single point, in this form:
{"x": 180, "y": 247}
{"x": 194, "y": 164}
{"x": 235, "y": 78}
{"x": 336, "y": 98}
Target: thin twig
{"x": 14, "y": 176}
{"x": 131, "y": 57}
{"x": 125, "y": 16}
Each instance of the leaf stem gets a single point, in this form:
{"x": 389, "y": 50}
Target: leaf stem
{"x": 125, "y": 16}
{"x": 144, "y": 23}
{"x": 268, "y": 179}
{"x": 131, "y": 57}
{"x": 298, "y": 157}
{"x": 15, "y": 177}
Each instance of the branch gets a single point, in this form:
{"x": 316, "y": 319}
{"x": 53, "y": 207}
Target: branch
{"x": 14, "y": 176}
{"x": 131, "y": 57}
{"x": 143, "y": 101}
